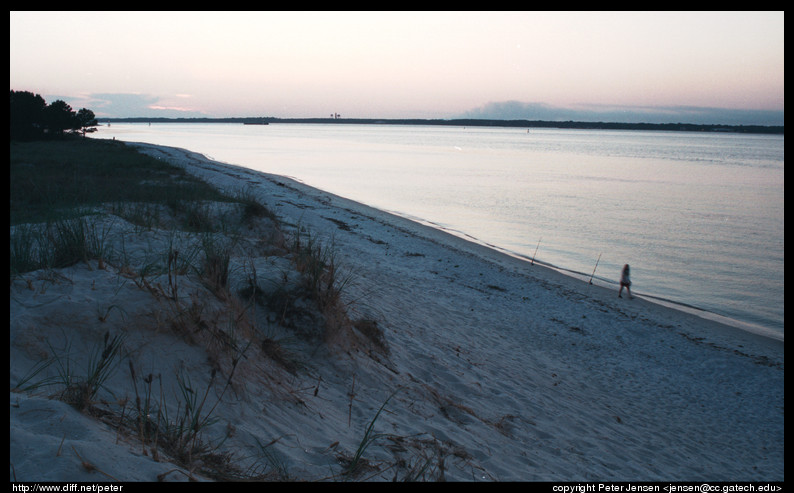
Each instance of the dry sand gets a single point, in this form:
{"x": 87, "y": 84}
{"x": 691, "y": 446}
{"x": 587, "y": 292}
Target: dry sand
{"x": 497, "y": 370}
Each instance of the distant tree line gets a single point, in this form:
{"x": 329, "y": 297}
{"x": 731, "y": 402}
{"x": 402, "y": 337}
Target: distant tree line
{"x": 675, "y": 127}
{"x": 32, "y": 118}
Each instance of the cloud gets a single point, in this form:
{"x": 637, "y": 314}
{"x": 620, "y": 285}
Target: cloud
{"x": 517, "y": 110}
{"x": 120, "y": 105}
{"x": 178, "y": 109}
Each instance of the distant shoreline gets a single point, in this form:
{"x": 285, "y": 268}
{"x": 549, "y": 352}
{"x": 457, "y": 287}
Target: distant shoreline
{"x": 674, "y": 127}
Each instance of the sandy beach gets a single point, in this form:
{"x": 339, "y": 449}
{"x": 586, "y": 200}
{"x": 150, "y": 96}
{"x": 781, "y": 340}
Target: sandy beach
{"x": 484, "y": 368}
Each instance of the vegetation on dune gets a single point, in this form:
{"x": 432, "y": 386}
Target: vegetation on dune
{"x": 64, "y": 195}
{"x": 51, "y": 177}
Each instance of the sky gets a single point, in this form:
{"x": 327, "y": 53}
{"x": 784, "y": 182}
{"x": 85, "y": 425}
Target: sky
{"x": 591, "y": 66}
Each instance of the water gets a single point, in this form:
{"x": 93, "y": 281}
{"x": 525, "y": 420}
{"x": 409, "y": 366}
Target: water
{"x": 699, "y": 217}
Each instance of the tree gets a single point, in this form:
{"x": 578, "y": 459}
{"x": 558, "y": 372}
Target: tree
{"x": 31, "y": 117}
{"x": 27, "y": 114}
{"x": 85, "y": 119}
{"x": 59, "y": 116}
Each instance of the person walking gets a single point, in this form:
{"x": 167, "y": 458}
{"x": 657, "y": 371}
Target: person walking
{"x": 625, "y": 282}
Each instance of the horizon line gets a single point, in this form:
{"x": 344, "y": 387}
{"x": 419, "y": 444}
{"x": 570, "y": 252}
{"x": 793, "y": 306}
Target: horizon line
{"x": 582, "y": 124}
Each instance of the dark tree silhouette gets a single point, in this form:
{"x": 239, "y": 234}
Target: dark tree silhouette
{"x": 32, "y": 118}
{"x": 27, "y": 114}
{"x": 85, "y": 119}
{"x": 59, "y": 116}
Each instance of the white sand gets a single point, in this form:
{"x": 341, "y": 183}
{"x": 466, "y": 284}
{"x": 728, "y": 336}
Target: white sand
{"x": 503, "y": 371}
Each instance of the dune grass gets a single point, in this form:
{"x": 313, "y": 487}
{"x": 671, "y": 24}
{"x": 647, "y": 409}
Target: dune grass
{"x": 64, "y": 195}
{"x": 53, "y": 178}
{"x": 59, "y": 185}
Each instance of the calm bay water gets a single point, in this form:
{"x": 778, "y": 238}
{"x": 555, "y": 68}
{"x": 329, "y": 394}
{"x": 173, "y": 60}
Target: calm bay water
{"x": 699, "y": 217}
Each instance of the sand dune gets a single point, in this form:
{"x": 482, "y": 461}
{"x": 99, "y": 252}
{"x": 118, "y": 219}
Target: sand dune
{"x": 493, "y": 369}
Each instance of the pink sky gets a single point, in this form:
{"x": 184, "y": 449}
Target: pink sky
{"x": 395, "y": 64}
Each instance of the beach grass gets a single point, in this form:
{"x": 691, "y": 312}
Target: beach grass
{"x": 368, "y": 438}
{"x": 63, "y": 191}
{"x": 62, "y": 183}
{"x": 68, "y": 196}
{"x": 55, "y": 177}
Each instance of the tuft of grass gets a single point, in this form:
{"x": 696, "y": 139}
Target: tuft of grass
{"x": 81, "y": 391}
{"x": 316, "y": 260}
{"x": 276, "y": 469}
{"x": 252, "y": 207}
{"x": 145, "y": 424}
{"x": 185, "y": 430}
{"x": 57, "y": 244}
{"x": 368, "y": 438}
{"x": 75, "y": 240}
{"x": 198, "y": 216}
{"x": 26, "y": 384}
{"x": 276, "y": 352}
{"x": 215, "y": 266}
{"x": 369, "y": 329}
{"x": 145, "y": 216}
{"x": 180, "y": 436}
{"x": 25, "y": 250}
